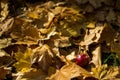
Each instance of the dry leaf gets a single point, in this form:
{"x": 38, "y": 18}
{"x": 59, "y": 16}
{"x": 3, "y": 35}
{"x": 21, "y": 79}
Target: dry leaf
{"x": 69, "y": 71}
{"x": 96, "y": 58}
{"x": 5, "y": 59}
{"x": 101, "y": 15}
{"x": 71, "y": 56}
{"x": 3, "y": 72}
{"x": 105, "y": 73}
{"x": 111, "y": 16}
{"x": 95, "y": 3}
{"x": 107, "y": 31}
{"x": 98, "y": 34}
{"x": 82, "y": 1}
{"x": 24, "y": 60}
{"x": 4, "y": 10}
{"x": 115, "y": 47}
{"x": 62, "y": 42}
{"x": 70, "y": 22}
{"x": 24, "y": 33}
{"x": 92, "y": 35}
{"x": 42, "y": 57}
{"x": 33, "y": 74}
{"x": 5, "y": 27}
{"x": 5, "y": 42}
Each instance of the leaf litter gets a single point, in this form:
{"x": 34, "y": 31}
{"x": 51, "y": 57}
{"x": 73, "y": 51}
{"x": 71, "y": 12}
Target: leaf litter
{"x": 40, "y": 40}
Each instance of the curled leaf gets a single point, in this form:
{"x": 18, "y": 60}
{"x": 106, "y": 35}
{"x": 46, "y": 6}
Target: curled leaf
{"x": 105, "y": 73}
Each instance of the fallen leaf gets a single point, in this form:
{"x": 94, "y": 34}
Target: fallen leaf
{"x": 5, "y": 42}
{"x": 62, "y": 42}
{"x": 115, "y": 47}
{"x": 24, "y": 60}
{"x": 5, "y": 58}
{"x": 95, "y": 3}
{"x": 96, "y": 58}
{"x": 3, "y": 72}
{"x": 4, "y": 10}
{"x": 69, "y": 71}
{"x": 5, "y": 27}
{"x": 42, "y": 57}
{"x": 33, "y": 74}
{"x": 111, "y": 16}
{"x": 104, "y": 72}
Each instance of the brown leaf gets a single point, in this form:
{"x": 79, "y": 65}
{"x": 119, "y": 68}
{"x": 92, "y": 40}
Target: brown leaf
{"x": 24, "y": 33}
{"x": 3, "y": 72}
{"x": 62, "y": 42}
{"x": 111, "y": 16}
{"x": 107, "y": 31}
{"x": 42, "y": 57}
{"x": 95, "y": 3}
{"x": 115, "y": 46}
{"x": 5, "y": 59}
{"x": 69, "y": 71}
{"x": 5, "y": 27}
{"x": 92, "y": 35}
{"x": 98, "y": 34}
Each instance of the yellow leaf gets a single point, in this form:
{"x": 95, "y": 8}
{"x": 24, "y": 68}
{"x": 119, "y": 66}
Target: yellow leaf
{"x": 104, "y": 72}
{"x": 23, "y": 60}
{"x": 33, "y": 15}
{"x": 4, "y": 10}
{"x": 32, "y": 74}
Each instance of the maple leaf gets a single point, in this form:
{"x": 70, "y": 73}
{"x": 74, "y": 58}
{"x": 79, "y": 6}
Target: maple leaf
{"x": 23, "y": 60}
{"x": 69, "y": 71}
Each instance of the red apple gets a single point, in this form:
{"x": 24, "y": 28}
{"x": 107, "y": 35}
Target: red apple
{"x": 82, "y": 59}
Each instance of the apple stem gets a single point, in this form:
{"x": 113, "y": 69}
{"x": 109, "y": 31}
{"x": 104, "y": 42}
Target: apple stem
{"x": 82, "y": 50}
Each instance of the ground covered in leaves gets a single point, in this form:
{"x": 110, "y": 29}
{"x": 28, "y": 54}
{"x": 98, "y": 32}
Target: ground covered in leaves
{"x": 40, "y": 39}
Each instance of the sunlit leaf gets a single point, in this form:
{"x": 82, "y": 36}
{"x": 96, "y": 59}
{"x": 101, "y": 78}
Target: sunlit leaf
{"x": 5, "y": 27}
{"x": 5, "y": 42}
{"x": 34, "y": 74}
{"x": 69, "y": 71}
{"x": 96, "y": 58}
{"x": 105, "y": 72}
{"x": 4, "y": 7}
{"x": 24, "y": 62}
